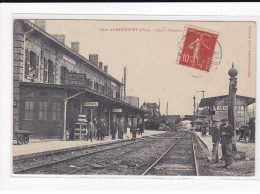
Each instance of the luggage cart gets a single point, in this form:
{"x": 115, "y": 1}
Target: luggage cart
{"x": 22, "y": 136}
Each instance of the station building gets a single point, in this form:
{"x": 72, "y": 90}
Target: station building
{"x": 53, "y": 83}
{"x": 218, "y": 108}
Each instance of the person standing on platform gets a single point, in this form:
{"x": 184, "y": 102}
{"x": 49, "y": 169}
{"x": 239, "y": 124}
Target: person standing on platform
{"x": 95, "y": 128}
{"x": 252, "y": 129}
{"x": 90, "y": 130}
{"x": 141, "y": 128}
{"x": 121, "y": 129}
{"x": 114, "y": 128}
{"x": 226, "y": 132}
{"x": 134, "y": 130}
{"x": 118, "y": 129}
{"x": 215, "y": 141}
{"x": 102, "y": 129}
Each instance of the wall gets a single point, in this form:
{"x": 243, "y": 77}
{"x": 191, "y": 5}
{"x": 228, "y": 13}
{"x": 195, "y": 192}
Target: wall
{"x": 17, "y": 69}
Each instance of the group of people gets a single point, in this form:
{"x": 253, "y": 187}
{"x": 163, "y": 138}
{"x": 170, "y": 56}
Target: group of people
{"x": 134, "y": 129}
{"x": 222, "y": 133}
{"x": 96, "y": 129}
{"x": 119, "y": 127}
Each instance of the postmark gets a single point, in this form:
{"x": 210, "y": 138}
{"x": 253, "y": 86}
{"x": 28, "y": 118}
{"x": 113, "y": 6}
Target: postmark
{"x": 199, "y": 49}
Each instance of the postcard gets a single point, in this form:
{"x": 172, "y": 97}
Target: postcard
{"x": 134, "y": 97}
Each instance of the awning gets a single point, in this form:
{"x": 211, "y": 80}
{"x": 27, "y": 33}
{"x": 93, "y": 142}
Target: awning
{"x": 88, "y": 90}
{"x": 212, "y": 100}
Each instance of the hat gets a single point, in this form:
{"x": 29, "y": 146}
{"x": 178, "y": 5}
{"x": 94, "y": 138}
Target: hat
{"x": 224, "y": 120}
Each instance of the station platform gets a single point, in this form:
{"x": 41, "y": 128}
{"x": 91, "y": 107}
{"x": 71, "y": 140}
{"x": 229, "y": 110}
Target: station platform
{"x": 37, "y": 147}
{"x": 248, "y": 148}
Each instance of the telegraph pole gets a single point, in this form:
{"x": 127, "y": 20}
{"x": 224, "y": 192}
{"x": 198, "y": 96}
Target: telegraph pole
{"x": 167, "y": 109}
{"x": 194, "y": 105}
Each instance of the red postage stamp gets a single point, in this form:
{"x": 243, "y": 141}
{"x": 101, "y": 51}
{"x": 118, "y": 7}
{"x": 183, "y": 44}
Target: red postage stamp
{"x": 198, "y": 49}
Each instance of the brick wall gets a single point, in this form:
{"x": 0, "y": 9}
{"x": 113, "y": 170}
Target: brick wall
{"x": 18, "y": 51}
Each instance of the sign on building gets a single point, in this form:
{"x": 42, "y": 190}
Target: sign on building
{"x": 117, "y": 110}
{"x": 75, "y": 79}
{"x": 91, "y": 104}
{"x": 225, "y": 108}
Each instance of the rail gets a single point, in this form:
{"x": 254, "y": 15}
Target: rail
{"x": 160, "y": 158}
{"x": 195, "y": 158}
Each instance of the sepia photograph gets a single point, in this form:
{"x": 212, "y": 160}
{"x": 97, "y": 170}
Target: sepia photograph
{"x": 134, "y": 97}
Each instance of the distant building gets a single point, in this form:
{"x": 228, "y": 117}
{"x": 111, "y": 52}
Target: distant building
{"x": 133, "y": 100}
{"x": 218, "y": 108}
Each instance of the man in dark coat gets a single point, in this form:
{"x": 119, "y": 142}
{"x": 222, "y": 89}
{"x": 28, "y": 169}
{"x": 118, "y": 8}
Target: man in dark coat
{"x": 215, "y": 141}
{"x": 252, "y": 129}
{"x": 121, "y": 127}
{"x": 141, "y": 128}
{"x": 134, "y": 131}
{"x": 114, "y": 129}
{"x": 226, "y": 132}
{"x": 102, "y": 129}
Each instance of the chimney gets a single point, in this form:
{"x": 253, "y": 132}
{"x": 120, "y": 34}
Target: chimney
{"x": 60, "y": 37}
{"x": 41, "y": 24}
{"x": 100, "y": 65}
{"x": 93, "y": 58}
{"x": 105, "y": 68}
{"x": 75, "y": 46}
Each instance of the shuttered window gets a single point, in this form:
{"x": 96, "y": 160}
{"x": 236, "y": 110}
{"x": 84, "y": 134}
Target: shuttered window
{"x": 56, "y": 111}
{"x": 42, "y": 114}
{"x": 29, "y": 109}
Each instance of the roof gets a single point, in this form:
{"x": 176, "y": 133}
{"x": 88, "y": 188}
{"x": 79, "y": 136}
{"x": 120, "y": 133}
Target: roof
{"x": 87, "y": 62}
{"x": 83, "y": 89}
{"x": 211, "y": 100}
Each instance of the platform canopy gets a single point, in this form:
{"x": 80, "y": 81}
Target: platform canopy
{"x": 212, "y": 100}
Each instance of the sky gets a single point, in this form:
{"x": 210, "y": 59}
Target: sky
{"x": 149, "y": 50}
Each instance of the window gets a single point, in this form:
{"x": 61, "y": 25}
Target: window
{"x": 31, "y": 65}
{"x": 50, "y": 72}
{"x": 28, "y": 110}
{"x": 56, "y": 111}
{"x": 42, "y": 110}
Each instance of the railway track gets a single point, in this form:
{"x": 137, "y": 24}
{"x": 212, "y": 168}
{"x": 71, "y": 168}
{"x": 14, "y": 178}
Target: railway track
{"x": 101, "y": 159}
{"x": 87, "y": 167}
{"x": 179, "y": 159}
{"x": 72, "y": 157}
